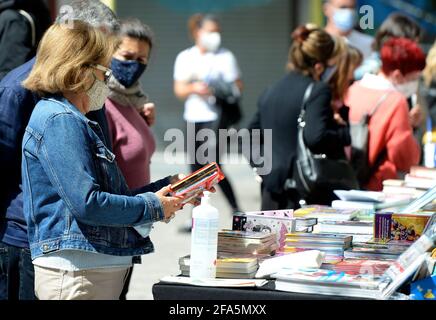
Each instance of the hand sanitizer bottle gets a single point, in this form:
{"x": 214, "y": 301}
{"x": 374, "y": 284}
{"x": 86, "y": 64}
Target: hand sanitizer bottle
{"x": 204, "y": 240}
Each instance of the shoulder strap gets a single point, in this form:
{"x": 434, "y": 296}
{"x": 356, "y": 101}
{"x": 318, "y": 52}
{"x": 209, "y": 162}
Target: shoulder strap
{"x": 32, "y": 25}
{"x": 379, "y": 103}
{"x": 306, "y": 97}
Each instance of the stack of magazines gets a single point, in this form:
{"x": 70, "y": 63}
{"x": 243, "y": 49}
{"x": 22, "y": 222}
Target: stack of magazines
{"x": 246, "y": 242}
{"x": 327, "y": 282}
{"x": 356, "y": 266}
{"x": 333, "y": 245}
{"x": 227, "y": 267}
{"x": 373, "y": 251}
{"x": 371, "y": 279}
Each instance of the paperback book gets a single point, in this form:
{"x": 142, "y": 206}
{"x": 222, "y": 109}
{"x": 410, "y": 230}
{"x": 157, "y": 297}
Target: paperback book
{"x": 278, "y": 222}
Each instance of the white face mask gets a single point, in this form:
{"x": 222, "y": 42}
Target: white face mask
{"x": 344, "y": 19}
{"x": 408, "y": 88}
{"x": 97, "y": 94}
{"x": 210, "y": 41}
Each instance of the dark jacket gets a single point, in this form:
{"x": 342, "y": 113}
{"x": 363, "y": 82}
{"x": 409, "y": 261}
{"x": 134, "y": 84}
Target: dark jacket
{"x": 20, "y": 32}
{"x": 278, "y": 109}
{"x": 16, "y": 106}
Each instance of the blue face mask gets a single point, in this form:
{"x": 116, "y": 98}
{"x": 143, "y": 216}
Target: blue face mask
{"x": 127, "y": 72}
{"x": 344, "y": 19}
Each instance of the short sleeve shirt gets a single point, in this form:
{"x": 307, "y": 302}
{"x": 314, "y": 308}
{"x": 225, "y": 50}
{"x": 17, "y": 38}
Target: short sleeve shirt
{"x": 191, "y": 65}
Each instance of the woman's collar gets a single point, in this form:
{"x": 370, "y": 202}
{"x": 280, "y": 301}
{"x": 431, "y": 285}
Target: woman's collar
{"x": 377, "y": 82}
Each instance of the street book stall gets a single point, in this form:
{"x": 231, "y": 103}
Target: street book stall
{"x": 367, "y": 245}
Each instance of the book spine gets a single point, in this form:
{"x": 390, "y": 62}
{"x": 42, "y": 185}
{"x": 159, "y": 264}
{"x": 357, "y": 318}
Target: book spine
{"x": 382, "y": 225}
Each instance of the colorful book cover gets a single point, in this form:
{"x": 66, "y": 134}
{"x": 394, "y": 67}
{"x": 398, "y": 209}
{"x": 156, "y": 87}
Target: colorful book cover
{"x": 408, "y": 227}
{"x": 194, "y": 184}
{"x": 382, "y": 226}
{"x": 392, "y": 226}
{"x": 424, "y": 289}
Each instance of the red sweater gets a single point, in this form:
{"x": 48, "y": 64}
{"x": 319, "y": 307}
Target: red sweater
{"x": 389, "y": 129}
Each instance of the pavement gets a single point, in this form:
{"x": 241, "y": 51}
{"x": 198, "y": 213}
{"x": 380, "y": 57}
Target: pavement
{"x": 170, "y": 243}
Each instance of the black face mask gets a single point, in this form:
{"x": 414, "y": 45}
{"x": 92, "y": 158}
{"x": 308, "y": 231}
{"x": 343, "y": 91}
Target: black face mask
{"x": 127, "y": 72}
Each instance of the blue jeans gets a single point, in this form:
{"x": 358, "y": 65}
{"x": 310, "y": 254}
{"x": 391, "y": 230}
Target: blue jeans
{"x": 16, "y": 273}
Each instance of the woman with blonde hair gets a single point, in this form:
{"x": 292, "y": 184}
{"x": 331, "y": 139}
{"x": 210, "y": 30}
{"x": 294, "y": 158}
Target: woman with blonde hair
{"x": 84, "y": 224}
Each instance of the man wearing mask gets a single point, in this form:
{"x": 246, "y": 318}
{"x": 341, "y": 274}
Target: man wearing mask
{"x": 16, "y": 106}
{"x": 341, "y": 19}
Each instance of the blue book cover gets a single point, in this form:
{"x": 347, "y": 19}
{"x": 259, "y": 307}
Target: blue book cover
{"x": 424, "y": 289}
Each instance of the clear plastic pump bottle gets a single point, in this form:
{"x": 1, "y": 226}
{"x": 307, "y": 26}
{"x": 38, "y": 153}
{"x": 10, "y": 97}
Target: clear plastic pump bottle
{"x": 204, "y": 240}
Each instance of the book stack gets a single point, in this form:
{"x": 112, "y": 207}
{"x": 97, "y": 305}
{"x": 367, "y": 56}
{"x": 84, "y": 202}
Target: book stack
{"x": 246, "y": 242}
{"x": 393, "y": 187}
{"x": 325, "y": 213}
{"x": 420, "y": 177}
{"x": 376, "y": 253}
{"x": 227, "y": 267}
{"x": 328, "y": 282}
{"x": 356, "y": 266}
{"x": 362, "y": 231}
{"x": 333, "y": 245}
{"x": 377, "y": 249}
{"x": 279, "y": 222}
{"x": 415, "y": 183}
{"x": 379, "y": 267}
{"x": 305, "y": 224}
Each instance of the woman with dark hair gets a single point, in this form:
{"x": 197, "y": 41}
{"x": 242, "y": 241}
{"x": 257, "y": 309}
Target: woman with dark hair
{"x": 128, "y": 110}
{"x": 195, "y": 71}
{"x": 311, "y": 59}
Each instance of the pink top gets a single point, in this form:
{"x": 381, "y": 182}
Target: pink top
{"x": 133, "y": 143}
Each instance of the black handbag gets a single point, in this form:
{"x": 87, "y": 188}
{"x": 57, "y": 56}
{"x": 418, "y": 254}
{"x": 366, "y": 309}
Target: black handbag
{"x": 228, "y": 98}
{"x": 316, "y": 172}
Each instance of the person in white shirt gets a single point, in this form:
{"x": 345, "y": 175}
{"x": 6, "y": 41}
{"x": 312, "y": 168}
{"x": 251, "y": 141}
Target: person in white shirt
{"x": 341, "y": 19}
{"x": 196, "y": 69}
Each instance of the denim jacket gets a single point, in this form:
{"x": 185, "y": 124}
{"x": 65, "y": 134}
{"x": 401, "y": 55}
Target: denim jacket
{"x": 75, "y": 197}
